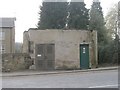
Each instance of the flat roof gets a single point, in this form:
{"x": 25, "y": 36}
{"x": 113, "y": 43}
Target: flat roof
{"x": 7, "y": 22}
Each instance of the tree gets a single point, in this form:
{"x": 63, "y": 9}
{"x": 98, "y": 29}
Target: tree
{"x": 108, "y": 48}
{"x": 97, "y": 21}
{"x": 53, "y": 15}
{"x": 112, "y": 27}
{"x": 111, "y": 20}
{"x": 78, "y": 16}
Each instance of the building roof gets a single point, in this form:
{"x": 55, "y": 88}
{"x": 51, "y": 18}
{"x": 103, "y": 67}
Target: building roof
{"x": 7, "y": 22}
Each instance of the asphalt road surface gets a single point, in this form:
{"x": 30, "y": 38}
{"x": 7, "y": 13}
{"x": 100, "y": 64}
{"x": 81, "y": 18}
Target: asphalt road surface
{"x": 93, "y": 79}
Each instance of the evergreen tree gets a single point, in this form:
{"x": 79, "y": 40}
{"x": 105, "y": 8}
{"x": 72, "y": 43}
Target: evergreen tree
{"x": 78, "y": 15}
{"x": 97, "y": 21}
{"x": 53, "y": 15}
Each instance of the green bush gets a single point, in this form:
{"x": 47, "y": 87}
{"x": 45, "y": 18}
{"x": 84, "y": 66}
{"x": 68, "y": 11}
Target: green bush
{"x": 109, "y": 53}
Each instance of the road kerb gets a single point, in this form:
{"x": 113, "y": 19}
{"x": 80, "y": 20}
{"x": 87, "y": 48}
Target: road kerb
{"x": 58, "y": 72}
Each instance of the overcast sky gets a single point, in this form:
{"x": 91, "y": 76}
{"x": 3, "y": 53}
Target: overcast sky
{"x": 26, "y": 13}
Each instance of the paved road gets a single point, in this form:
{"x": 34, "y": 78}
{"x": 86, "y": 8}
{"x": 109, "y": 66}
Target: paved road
{"x": 94, "y": 79}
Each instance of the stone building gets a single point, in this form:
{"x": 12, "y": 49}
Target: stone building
{"x": 61, "y": 49}
{"x": 7, "y": 35}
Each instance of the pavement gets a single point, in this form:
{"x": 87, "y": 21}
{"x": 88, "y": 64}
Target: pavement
{"x": 92, "y": 79}
{"x": 36, "y": 72}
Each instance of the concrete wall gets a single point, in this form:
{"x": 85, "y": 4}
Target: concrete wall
{"x": 25, "y": 42}
{"x": 67, "y": 53}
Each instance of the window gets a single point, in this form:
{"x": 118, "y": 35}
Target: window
{"x": 2, "y": 48}
{"x": 2, "y": 35}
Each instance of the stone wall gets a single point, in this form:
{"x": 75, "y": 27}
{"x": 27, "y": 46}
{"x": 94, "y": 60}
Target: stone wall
{"x": 13, "y": 62}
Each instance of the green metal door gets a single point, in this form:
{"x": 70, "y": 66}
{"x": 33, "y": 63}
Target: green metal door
{"x": 84, "y": 56}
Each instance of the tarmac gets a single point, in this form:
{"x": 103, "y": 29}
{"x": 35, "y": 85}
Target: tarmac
{"x": 36, "y": 72}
